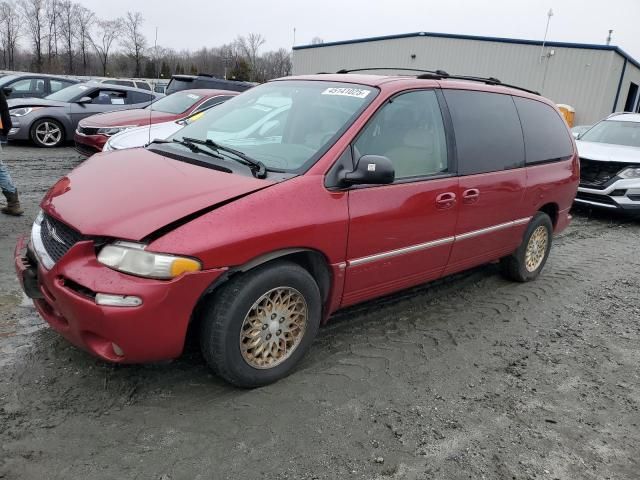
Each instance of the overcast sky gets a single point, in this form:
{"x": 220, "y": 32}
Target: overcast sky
{"x": 196, "y": 23}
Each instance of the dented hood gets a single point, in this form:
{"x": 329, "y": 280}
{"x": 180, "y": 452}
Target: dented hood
{"x": 131, "y": 194}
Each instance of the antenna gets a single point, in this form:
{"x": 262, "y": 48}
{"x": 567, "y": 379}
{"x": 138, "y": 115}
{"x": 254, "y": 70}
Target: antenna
{"x": 546, "y": 32}
{"x": 155, "y": 54}
{"x": 609, "y": 37}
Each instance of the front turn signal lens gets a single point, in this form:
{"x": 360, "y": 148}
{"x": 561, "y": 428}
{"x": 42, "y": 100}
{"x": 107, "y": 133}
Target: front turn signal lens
{"x": 184, "y": 265}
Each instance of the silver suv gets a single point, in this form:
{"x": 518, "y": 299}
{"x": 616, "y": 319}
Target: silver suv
{"x": 610, "y": 164}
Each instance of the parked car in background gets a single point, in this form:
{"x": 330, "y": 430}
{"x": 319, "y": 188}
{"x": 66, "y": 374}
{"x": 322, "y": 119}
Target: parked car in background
{"x": 51, "y": 121}
{"x": 141, "y": 136}
{"x": 579, "y": 130}
{"x": 93, "y": 132}
{"x": 33, "y": 85}
{"x": 127, "y": 83}
{"x": 610, "y": 164}
{"x": 257, "y": 245}
{"x": 189, "y": 82}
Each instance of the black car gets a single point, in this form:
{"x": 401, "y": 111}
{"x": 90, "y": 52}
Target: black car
{"x": 189, "y": 82}
{"x": 33, "y": 85}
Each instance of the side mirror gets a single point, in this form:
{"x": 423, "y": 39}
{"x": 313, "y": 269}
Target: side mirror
{"x": 84, "y": 100}
{"x": 370, "y": 170}
{"x": 7, "y": 91}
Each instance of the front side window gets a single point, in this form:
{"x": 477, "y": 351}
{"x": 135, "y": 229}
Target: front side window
{"x": 410, "y": 132}
{"x": 109, "y": 97}
{"x": 487, "y": 131}
{"x": 546, "y": 138}
{"x": 23, "y": 86}
{"x": 287, "y": 125}
{"x": 176, "y": 103}
{"x": 615, "y": 132}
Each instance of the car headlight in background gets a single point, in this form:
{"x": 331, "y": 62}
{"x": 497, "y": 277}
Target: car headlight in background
{"x": 110, "y": 131}
{"x": 22, "y": 111}
{"x": 631, "y": 172}
{"x": 130, "y": 257}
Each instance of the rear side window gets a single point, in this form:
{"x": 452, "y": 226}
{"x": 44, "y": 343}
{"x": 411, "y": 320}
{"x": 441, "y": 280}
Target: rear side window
{"x": 546, "y": 138}
{"x": 487, "y": 131}
{"x": 139, "y": 97}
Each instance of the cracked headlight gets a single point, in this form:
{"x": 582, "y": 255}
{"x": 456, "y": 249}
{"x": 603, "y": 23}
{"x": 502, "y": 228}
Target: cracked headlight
{"x": 130, "y": 257}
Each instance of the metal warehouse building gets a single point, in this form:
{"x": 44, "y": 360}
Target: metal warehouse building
{"x": 594, "y": 79}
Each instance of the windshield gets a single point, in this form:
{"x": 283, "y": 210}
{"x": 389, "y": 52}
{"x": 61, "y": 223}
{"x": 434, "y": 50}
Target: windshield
{"x": 176, "y": 103}
{"x": 614, "y": 132}
{"x": 287, "y": 125}
{"x": 69, "y": 94}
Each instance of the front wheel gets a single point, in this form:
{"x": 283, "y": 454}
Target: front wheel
{"x": 259, "y": 326}
{"x": 526, "y": 263}
{"x": 47, "y": 133}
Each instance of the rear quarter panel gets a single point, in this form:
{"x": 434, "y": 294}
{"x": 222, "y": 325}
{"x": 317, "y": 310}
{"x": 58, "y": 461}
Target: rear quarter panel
{"x": 552, "y": 183}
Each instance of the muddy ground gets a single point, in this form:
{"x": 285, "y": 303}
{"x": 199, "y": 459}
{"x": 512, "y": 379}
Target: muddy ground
{"x": 475, "y": 377}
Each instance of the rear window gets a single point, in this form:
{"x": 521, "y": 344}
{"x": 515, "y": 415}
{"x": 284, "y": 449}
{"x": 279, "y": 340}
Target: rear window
{"x": 176, "y": 103}
{"x": 122, "y": 83}
{"x": 546, "y": 138}
{"x": 487, "y": 131}
{"x": 176, "y": 85}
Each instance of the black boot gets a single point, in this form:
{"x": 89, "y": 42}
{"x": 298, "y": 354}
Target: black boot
{"x": 13, "y": 204}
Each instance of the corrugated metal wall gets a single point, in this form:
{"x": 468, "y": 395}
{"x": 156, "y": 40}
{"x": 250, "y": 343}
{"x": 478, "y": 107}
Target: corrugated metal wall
{"x": 632, "y": 74}
{"x": 586, "y": 79}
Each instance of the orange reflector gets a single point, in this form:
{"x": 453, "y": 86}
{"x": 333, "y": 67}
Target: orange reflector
{"x": 184, "y": 265}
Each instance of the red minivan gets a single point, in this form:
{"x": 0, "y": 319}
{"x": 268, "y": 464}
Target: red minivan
{"x": 94, "y": 131}
{"x": 290, "y": 201}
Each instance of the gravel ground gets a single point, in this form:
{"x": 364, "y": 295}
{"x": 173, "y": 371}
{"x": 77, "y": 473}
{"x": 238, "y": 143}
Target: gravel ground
{"x": 474, "y": 377}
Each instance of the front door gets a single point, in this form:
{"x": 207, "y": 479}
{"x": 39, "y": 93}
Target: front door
{"x": 401, "y": 234}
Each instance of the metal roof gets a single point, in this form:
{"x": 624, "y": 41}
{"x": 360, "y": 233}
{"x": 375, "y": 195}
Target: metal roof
{"x": 586, "y": 46}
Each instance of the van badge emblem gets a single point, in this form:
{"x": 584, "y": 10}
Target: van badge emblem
{"x": 371, "y": 167}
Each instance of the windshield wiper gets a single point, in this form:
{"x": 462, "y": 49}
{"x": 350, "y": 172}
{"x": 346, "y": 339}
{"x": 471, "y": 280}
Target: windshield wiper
{"x": 190, "y": 145}
{"x": 258, "y": 169}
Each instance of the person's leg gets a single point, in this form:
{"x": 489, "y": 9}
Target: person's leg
{"x": 6, "y": 183}
{"x": 10, "y": 192}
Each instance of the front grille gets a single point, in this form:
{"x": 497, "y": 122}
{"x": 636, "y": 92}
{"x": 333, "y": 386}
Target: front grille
{"x": 592, "y": 197}
{"x": 57, "y": 237}
{"x": 85, "y": 150}
{"x": 595, "y": 174}
{"x": 88, "y": 130}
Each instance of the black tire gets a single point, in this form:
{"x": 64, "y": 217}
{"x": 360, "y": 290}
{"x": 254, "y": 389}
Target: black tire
{"x": 36, "y": 136}
{"x": 514, "y": 266}
{"x": 225, "y": 312}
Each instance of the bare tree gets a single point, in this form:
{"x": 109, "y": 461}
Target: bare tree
{"x": 249, "y": 46}
{"x": 134, "y": 41}
{"x": 68, "y": 24}
{"x": 52, "y": 12}
{"x": 85, "y": 20}
{"x": 9, "y": 33}
{"x": 33, "y": 13}
{"x": 102, "y": 41}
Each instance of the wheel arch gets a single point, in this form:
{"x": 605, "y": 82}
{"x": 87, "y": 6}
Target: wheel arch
{"x": 314, "y": 261}
{"x": 552, "y": 209}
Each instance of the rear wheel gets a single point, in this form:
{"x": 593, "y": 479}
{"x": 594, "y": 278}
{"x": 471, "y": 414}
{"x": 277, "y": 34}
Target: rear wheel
{"x": 258, "y": 326}
{"x": 526, "y": 263}
{"x": 47, "y": 133}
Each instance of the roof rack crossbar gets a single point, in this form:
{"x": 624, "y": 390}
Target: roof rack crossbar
{"x": 441, "y": 74}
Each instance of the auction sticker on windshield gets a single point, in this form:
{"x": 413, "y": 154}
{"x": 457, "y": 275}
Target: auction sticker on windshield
{"x": 347, "y": 92}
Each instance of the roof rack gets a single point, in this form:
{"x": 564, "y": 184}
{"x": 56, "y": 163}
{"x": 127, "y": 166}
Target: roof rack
{"x": 441, "y": 74}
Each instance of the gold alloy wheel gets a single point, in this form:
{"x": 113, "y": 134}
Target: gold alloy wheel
{"x": 536, "y": 248}
{"x": 273, "y": 328}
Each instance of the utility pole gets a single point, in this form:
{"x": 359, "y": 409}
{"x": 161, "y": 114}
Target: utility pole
{"x": 546, "y": 32}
